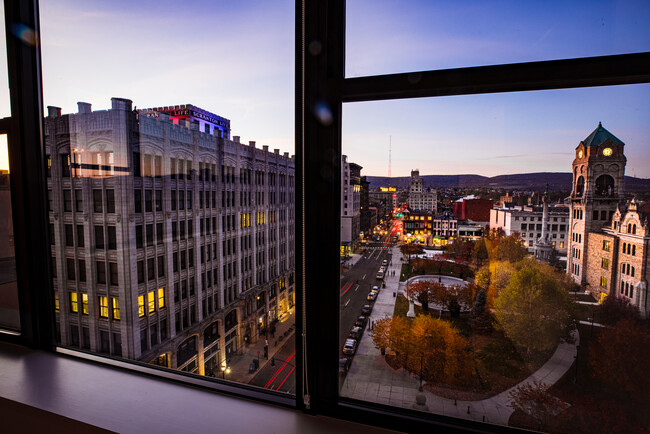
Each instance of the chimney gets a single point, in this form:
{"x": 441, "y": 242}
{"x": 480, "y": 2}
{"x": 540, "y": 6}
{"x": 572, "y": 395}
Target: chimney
{"x": 266, "y": 148}
{"x": 121, "y": 104}
{"x": 235, "y": 139}
{"x": 251, "y": 143}
{"x": 84, "y": 107}
{"x": 286, "y": 155}
{"x": 276, "y": 151}
{"x": 53, "y": 112}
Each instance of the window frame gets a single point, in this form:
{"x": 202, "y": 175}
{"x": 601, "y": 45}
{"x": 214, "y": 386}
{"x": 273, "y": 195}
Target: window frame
{"x": 319, "y": 79}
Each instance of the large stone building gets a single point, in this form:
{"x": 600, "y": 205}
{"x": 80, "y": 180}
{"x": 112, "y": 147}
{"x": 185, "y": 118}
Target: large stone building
{"x": 169, "y": 245}
{"x": 350, "y": 206}
{"x": 421, "y": 198}
{"x": 528, "y": 222}
{"x": 609, "y": 238}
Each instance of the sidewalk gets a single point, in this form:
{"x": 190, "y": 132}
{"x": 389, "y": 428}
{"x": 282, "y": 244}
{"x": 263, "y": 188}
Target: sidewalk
{"x": 239, "y": 364}
{"x": 370, "y": 378}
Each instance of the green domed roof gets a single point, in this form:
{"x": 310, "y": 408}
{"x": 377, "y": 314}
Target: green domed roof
{"x": 599, "y": 136}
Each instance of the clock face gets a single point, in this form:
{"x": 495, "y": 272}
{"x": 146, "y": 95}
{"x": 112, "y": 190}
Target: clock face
{"x": 580, "y": 153}
{"x": 607, "y": 152}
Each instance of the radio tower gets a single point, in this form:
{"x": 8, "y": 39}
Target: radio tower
{"x": 389, "y": 149}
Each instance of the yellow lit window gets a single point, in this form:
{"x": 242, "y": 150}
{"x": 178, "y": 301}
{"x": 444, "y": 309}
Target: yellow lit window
{"x": 604, "y": 263}
{"x": 84, "y": 303}
{"x": 152, "y": 301}
{"x": 116, "y": 308}
{"x": 103, "y": 307}
{"x": 607, "y": 245}
{"x": 141, "y": 306}
{"x": 161, "y": 298}
{"x": 603, "y": 281}
{"x": 56, "y": 302}
{"x": 74, "y": 306}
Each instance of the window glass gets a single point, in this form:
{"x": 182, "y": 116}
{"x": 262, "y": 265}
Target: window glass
{"x": 131, "y": 156}
{"x": 389, "y": 36}
{"x": 9, "y": 315}
{"x": 446, "y": 308}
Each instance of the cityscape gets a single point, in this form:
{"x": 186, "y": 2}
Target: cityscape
{"x": 172, "y": 243}
{"x": 493, "y": 248}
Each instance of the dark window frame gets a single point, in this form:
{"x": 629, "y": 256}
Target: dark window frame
{"x": 319, "y": 78}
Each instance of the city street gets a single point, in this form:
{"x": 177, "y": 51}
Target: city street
{"x": 282, "y": 376}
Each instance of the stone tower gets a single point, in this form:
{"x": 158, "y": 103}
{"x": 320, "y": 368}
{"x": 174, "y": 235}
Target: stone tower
{"x": 598, "y": 172}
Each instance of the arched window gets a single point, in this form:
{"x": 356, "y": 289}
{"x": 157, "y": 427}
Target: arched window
{"x": 631, "y": 291}
{"x": 604, "y": 186}
{"x": 629, "y": 228}
{"x": 580, "y": 186}
{"x": 627, "y": 287}
{"x": 231, "y": 319}
{"x": 634, "y": 229}
{"x": 624, "y": 247}
{"x": 632, "y": 273}
{"x": 633, "y": 250}
{"x": 211, "y": 333}
{"x": 186, "y": 350}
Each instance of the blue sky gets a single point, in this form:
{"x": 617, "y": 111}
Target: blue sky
{"x": 236, "y": 59}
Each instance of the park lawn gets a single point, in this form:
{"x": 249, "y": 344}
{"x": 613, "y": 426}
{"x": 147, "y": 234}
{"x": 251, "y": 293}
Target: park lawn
{"x": 501, "y": 365}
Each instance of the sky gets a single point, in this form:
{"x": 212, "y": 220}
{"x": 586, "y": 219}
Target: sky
{"x": 236, "y": 59}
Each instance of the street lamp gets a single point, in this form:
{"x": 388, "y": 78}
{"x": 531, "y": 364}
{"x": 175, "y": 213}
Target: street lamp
{"x": 225, "y": 370}
{"x": 421, "y": 358}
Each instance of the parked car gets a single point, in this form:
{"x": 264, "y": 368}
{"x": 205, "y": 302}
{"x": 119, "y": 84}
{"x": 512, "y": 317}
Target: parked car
{"x": 350, "y": 347}
{"x": 375, "y": 288}
{"x": 361, "y": 322}
{"x": 366, "y": 309}
{"x": 355, "y": 333}
{"x": 344, "y": 365}
{"x": 372, "y": 296}
{"x": 384, "y": 262}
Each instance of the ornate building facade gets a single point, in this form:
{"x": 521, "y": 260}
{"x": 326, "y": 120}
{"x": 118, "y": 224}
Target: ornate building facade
{"x": 170, "y": 245}
{"x": 609, "y": 238}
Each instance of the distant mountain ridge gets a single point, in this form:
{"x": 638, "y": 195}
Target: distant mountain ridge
{"x": 524, "y": 181}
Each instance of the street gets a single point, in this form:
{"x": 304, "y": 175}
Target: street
{"x": 282, "y": 376}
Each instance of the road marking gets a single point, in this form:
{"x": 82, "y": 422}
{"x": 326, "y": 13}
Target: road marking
{"x": 355, "y": 289}
{"x": 348, "y": 302}
{"x": 364, "y": 277}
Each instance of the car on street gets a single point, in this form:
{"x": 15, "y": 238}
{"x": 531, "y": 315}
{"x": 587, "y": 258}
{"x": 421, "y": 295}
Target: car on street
{"x": 366, "y": 309}
{"x": 350, "y": 347}
{"x": 361, "y": 322}
{"x": 372, "y": 296}
{"x": 344, "y": 365}
{"x": 385, "y": 262}
{"x": 355, "y": 332}
{"x": 375, "y": 288}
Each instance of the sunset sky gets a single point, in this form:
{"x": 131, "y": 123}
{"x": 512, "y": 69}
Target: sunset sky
{"x": 236, "y": 60}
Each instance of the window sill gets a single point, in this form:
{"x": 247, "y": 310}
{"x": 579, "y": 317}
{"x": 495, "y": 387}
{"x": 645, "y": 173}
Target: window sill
{"x": 54, "y": 386}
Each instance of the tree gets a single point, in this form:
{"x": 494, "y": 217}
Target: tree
{"x": 411, "y": 249}
{"x": 460, "y": 249}
{"x": 534, "y": 310}
{"x": 445, "y": 353}
{"x": 380, "y": 334}
{"x": 535, "y": 400}
{"x": 479, "y": 252}
{"x": 615, "y": 309}
{"x": 481, "y": 319}
{"x": 494, "y": 277}
{"x": 454, "y": 298}
{"x": 620, "y": 357}
{"x": 511, "y": 249}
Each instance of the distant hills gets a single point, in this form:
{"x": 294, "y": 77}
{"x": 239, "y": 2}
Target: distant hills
{"x": 524, "y": 181}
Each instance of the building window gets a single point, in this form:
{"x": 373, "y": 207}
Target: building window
{"x": 604, "y": 263}
{"x": 103, "y": 307}
{"x": 116, "y": 308}
{"x": 74, "y": 306}
{"x": 152, "y": 301}
{"x": 161, "y": 298}
{"x": 607, "y": 245}
{"x": 97, "y": 201}
{"x": 603, "y": 282}
{"x": 84, "y": 304}
{"x": 141, "y": 306}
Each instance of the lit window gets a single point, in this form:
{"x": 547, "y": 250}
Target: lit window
{"x": 116, "y": 309}
{"x": 605, "y": 263}
{"x": 84, "y": 303}
{"x": 103, "y": 307}
{"x": 74, "y": 307}
{"x": 56, "y": 302}
{"x": 161, "y": 298}
{"x": 140, "y": 306}
{"x": 603, "y": 282}
{"x": 607, "y": 245}
{"x": 152, "y": 301}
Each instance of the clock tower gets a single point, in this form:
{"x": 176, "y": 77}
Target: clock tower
{"x": 598, "y": 173}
